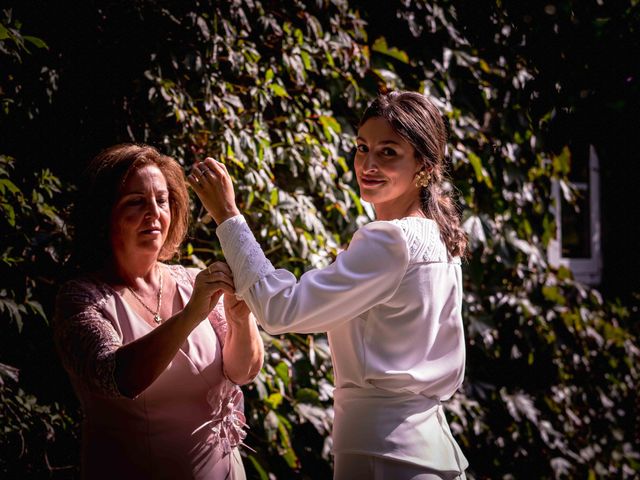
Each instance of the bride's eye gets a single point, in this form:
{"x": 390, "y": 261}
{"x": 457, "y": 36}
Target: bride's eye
{"x": 362, "y": 148}
{"x": 389, "y": 152}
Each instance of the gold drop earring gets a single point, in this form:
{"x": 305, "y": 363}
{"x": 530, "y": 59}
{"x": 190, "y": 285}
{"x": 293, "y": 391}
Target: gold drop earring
{"x": 422, "y": 178}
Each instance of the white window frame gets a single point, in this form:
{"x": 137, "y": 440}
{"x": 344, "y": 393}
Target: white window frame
{"x": 586, "y": 270}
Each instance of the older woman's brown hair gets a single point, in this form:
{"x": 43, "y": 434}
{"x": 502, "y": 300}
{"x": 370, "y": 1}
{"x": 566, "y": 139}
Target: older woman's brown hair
{"x": 99, "y": 191}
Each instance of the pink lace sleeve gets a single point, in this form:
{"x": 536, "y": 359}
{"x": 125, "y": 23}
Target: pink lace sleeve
{"x": 219, "y": 321}
{"x": 86, "y": 340}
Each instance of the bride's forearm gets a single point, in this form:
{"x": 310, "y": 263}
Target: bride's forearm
{"x": 243, "y": 351}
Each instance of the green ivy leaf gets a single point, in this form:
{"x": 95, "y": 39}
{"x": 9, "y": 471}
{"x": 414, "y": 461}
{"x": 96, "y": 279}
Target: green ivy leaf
{"x": 308, "y": 395}
{"x": 562, "y": 162}
{"x": 380, "y": 46}
{"x": 481, "y": 174}
{"x": 37, "y": 42}
{"x": 282, "y": 370}
{"x": 274, "y": 400}
{"x": 256, "y": 465}
{"x": 289, "y": 454}
{"x": 278, "y": 90}
{"x": 4, "y": 33}
{"x": 330, "y": 122}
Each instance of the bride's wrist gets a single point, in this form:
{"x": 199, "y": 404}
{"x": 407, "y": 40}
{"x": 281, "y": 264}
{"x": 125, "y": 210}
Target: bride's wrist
{"x": 227, "y": 214}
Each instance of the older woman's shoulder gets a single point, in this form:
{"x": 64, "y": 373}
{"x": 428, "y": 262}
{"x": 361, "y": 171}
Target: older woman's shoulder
{"x": 84, "y": 290}
{"x": 182, "y": 274}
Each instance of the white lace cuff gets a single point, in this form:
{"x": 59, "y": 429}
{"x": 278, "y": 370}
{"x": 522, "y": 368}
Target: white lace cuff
{"x": 243, "y": 254}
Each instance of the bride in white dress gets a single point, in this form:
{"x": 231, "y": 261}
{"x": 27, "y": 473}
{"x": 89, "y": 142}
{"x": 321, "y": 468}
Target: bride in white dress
{"x": 390, "y": 303}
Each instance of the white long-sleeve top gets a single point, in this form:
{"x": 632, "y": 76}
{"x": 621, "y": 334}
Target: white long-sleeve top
{"x": 391, "y": 305}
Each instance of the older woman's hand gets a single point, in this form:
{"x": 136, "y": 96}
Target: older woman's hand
{"x": 209, "y": 284}
{"x": 212, "y": 183}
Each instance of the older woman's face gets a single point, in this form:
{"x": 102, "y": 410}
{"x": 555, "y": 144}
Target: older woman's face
{"x": 141, "y": 216}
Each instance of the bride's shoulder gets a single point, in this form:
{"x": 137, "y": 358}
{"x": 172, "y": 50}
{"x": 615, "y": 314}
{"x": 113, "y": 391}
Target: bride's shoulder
{"x": 422, "y": 236}
{"x": 409, "y": 226}
{"x": 382, "y": 236}
{"x": 384, "y": 228}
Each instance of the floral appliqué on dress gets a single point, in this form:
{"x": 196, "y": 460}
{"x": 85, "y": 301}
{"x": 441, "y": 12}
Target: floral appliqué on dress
{"x": 228, "y": 423}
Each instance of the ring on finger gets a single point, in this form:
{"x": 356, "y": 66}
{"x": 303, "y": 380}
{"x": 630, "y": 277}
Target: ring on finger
{"x": 205, "y": 172}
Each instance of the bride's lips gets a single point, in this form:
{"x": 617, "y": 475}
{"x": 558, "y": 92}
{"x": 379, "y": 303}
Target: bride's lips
{"x": 370, "y": 182}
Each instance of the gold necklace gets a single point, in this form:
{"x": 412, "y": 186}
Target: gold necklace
{"x": 156, "y": 314}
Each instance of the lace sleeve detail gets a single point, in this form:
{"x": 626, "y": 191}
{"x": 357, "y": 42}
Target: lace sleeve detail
{"x": 183, "y": 275}
{"x": 423, "y": 240}
{"x": 243, "y": 254}
{"x": 218, "y": 321}
{"x": 86, "y": 339}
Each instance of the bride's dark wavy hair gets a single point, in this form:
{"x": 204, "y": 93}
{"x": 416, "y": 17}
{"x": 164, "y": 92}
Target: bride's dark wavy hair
{"x": 418, "y": 121}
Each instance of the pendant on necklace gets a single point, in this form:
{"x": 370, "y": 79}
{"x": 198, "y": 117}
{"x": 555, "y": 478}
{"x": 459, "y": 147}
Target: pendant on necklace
{"x": 156, "y": 318}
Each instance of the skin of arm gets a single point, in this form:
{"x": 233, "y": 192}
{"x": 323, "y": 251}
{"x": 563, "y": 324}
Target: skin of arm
{"x": 140, "y": 362}
{"x": 243, "y": 350}
{"x": 220, "y": 198}
{"x": 329, "y": 298}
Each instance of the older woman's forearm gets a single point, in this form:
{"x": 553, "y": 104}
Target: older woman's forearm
{"x": 140, "y": 362}
{"x": 243, "y": 351}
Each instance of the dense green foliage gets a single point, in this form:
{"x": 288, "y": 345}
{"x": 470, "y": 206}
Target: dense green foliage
{"x": 32, "y": 233}
{"x": 274, "y": 89}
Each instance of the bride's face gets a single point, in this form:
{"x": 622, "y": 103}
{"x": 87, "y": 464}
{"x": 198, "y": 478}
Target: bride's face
{"x": 385, "y": 164}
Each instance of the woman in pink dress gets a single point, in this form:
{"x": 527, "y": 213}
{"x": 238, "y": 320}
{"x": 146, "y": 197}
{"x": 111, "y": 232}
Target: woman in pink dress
{"x": 391, "y": 303}
{"x": 155, "y": 355}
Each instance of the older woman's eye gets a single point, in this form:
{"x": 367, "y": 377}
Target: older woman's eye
{"x": 389, "y": 152}
{"x": 362, "y": 148}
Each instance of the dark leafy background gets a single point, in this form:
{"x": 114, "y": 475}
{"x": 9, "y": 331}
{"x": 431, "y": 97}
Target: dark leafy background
{"x": 274, "y": 89}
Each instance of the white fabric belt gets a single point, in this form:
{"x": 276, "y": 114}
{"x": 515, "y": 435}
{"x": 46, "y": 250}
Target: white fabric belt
{"x": 403, "y": 426}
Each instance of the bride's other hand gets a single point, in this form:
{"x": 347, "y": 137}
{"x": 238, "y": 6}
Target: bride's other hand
{"x": 243, "y": 351}
{"x": 209, "y": 285}
{"x": 236, "y": 310}
{"x": 212, "y": 183}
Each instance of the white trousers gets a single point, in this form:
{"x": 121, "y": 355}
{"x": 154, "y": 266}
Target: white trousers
{"x": 353, "y": 466}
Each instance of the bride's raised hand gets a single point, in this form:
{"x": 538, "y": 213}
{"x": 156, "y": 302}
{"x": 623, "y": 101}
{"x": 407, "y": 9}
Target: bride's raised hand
{"x": 212, "y": 183}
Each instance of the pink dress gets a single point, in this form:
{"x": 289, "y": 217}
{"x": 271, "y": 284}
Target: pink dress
{"x": 185, "y": 425}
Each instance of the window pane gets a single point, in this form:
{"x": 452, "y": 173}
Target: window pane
{"x": 579, "y": 172}
{"x": 576, "y": 227}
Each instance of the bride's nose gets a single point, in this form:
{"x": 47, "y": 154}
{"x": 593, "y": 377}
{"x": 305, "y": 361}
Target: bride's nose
{"x": 369, "y": 164}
